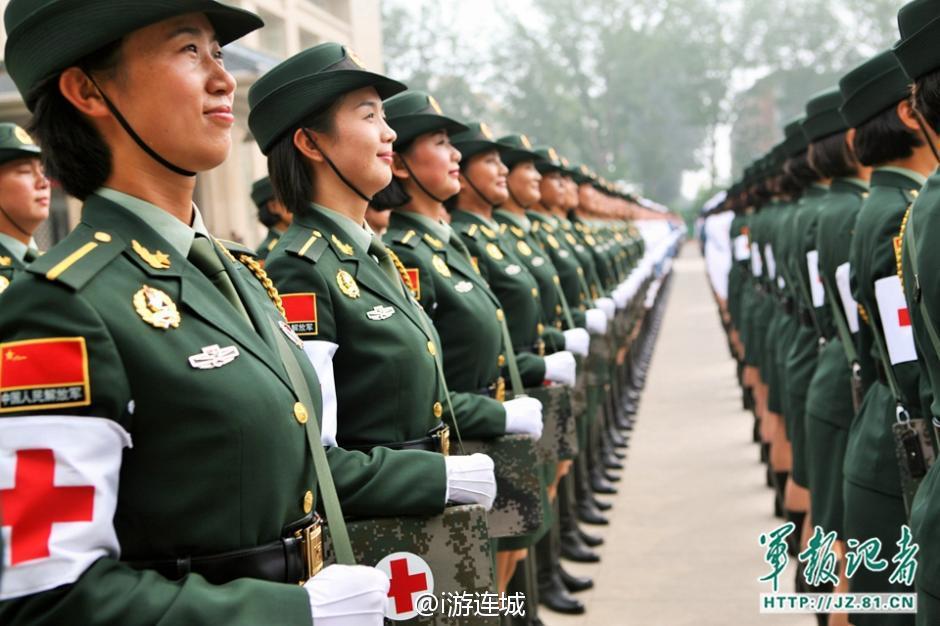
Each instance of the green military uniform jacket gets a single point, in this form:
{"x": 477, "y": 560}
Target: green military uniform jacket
{"x": 218, "y": 458}
{"x": 265, "y": 247}
{"x": 585, "y": 258}
{"x": 464, "y": 312}
{"x": 517, "y": 233}
{"x": 513, "y": 284}
{"x": 870, "y": 459}
{"x": 558, "y": 245}
{"x": 605, "y": 271}
{"x": 386, "y": 348}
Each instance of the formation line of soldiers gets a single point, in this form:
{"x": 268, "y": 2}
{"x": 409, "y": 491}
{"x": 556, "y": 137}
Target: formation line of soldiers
{"x": 332, "y": 427}
{"x": 822, "y": 261}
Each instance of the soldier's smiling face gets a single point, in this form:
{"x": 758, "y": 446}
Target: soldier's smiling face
{"x": 24, "y": 195}
{"x": 553, "y": 190}
{"x": 435, "y": 162}
{"x": 523, "y": 181}
{"x": 488, "y": 173}
{"x": 172, "y": 87}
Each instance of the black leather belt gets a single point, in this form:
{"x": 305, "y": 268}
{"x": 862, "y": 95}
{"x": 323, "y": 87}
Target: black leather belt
{"x": 295, "y": 558}
{"x": 437, "y": 440}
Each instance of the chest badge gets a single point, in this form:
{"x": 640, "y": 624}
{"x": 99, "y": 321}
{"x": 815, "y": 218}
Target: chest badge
{"x": 379, "y": 313}
{"x": 347, "y": 284}
{"x": 5, "y": 261}
{"x": 440, "y": 266}
{"x": 156, "y": 308}
{"x": 538, "y": 261}
{"x": 463, "y": 286}
{"x": 213, "y": 357}
{"x": 523, "y": 248}
{"x": 493, "y": 250}
{"x": 290, "y": 333}
{"x": 513, "y": 269}
{"x": 157, "y": 260}
{"x": 4, "y": 283}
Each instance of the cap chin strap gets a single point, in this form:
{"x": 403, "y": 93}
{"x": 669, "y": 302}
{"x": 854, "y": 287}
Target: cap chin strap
{"x": 133, "y": 135}
{"x": 923, "y": 129}
{"x": 14, "y": 223}
{"x": 491, "y": 204}
{"x": 516, "y": 200}
{"x": 418, "y": 182}
{"x": 335, "y": 169}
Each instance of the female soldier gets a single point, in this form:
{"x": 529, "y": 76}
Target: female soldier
{"x": 156, "y": 379}
{"x": 24, "y": 200}
{"x": 482, "y": 189}
{"x": 318, "y": 116}
{"x": 877, "y": 106}
{"x": 920, "y": 59}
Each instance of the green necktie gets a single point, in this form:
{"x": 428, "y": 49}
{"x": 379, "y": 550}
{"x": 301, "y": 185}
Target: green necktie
{"x": 380, "y": 252}
{"x": 204, "y": 257}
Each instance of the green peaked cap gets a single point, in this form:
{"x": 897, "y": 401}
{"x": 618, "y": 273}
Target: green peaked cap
{"x": 15, "y": 143}
{"x": 583, "y": 174}
{"x": 414, "y": 113}
{"x": 307, "y": 84}
{"x": 549, "y": 160}
{"x": 822, "y": 115}
{"x": 519, "y": 150}
{"x": 794, "y": 138}
{"x": 262, "y": 192}
{"x": 917, "y": 51}
{"x": 476, "y": 139}
{"x": 877, "y": 84}
{"x": 44, "y": 37}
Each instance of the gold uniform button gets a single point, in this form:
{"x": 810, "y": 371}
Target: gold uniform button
{"x": 102, "y": 237}
{"x": 432, "y": 350}
{"x": 438, "y": 409}
{"x": 501, "y": 361}
{"x": 540, "y": 328}
{"x": 558, "y": 309}
{"x": 915, "y": 193}
{"x": 300, "y": 413}
{"x": 499, "y": 314}
{"x": 535, "y": 292}
{"x": 308, "y": 501}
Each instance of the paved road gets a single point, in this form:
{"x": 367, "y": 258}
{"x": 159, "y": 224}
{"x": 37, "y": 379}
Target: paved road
{"x": 682, "y": 547}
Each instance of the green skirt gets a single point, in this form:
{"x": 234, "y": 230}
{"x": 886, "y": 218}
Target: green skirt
{"x": 801, "y": 364}
{"x": 825, "y": 452}
{"x": 871, "y": 514}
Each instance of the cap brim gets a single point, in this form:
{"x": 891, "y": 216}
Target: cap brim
{"x": 26, "y": 152}
{"x": 476, "y": 146}
{"x": 514, "y": 156}
{"x": 410, "y": 127}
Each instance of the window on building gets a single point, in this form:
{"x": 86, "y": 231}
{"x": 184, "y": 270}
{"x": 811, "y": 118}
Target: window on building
{"x": 273, "y": 36}
{"x": 308, "y": 39}
{"x": 339, "y": 8}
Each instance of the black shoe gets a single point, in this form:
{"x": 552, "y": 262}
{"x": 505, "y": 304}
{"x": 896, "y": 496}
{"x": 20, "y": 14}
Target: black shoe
{"x": 572, "y": 550}
{"x": 769, "y": 477}
{"x": 612, "y": 463}
{"x": 610, "y": 476}
{"x": 599, "y": 484}
{"x": 557, "y": 598}
{"x": 764, "y": 452}
{"x": 592, "y": 541}
{"x": 600, "y": 505}
{"x": 590, "y": 515}
{"x": 574, "y": 584}
{"x": 618, "y": 454}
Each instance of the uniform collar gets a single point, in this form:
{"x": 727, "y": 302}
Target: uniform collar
{"x": 918, "y": 178}
{"x": 519, "y": 220}
{"x": 360, "y": 234}
{"x": 435, "y": 227}
{"x": 15, "y": 247}
{"x": 178, "y": 234}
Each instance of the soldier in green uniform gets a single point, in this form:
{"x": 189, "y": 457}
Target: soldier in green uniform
{"x": 160, "y": 377}
{"x": 318, "y": 117}
{"x": 483, "y": 188}
{"x": 887, "y": 139}
{"x": 271, "y": 213}
{"x": 920, "y": 58}
{"x": 24, "y": 201}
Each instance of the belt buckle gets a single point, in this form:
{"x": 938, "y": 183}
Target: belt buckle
{"x": 311, "y": 545}
{"x": 501, "y": 389}
{"x": 443, "y": 437}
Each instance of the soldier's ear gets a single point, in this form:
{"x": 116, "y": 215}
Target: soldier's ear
{"x": 907, "y": 115}
{"x": 398, "y": 168}
{"x": 77, "y": 88}
{"x": 306, "y": 146}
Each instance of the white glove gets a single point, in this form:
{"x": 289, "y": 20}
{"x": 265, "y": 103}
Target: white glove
{"x": 560, "y": 368}
{"x": 348, "y": 595}
{"x": 608, "y": 306}
{"x": 524, "y": 416}
{"x": 470, "y": 480}
{"x": 596, "y": 321}
{"x": 577, "y": 341}
{"x": 620, "y": 297}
